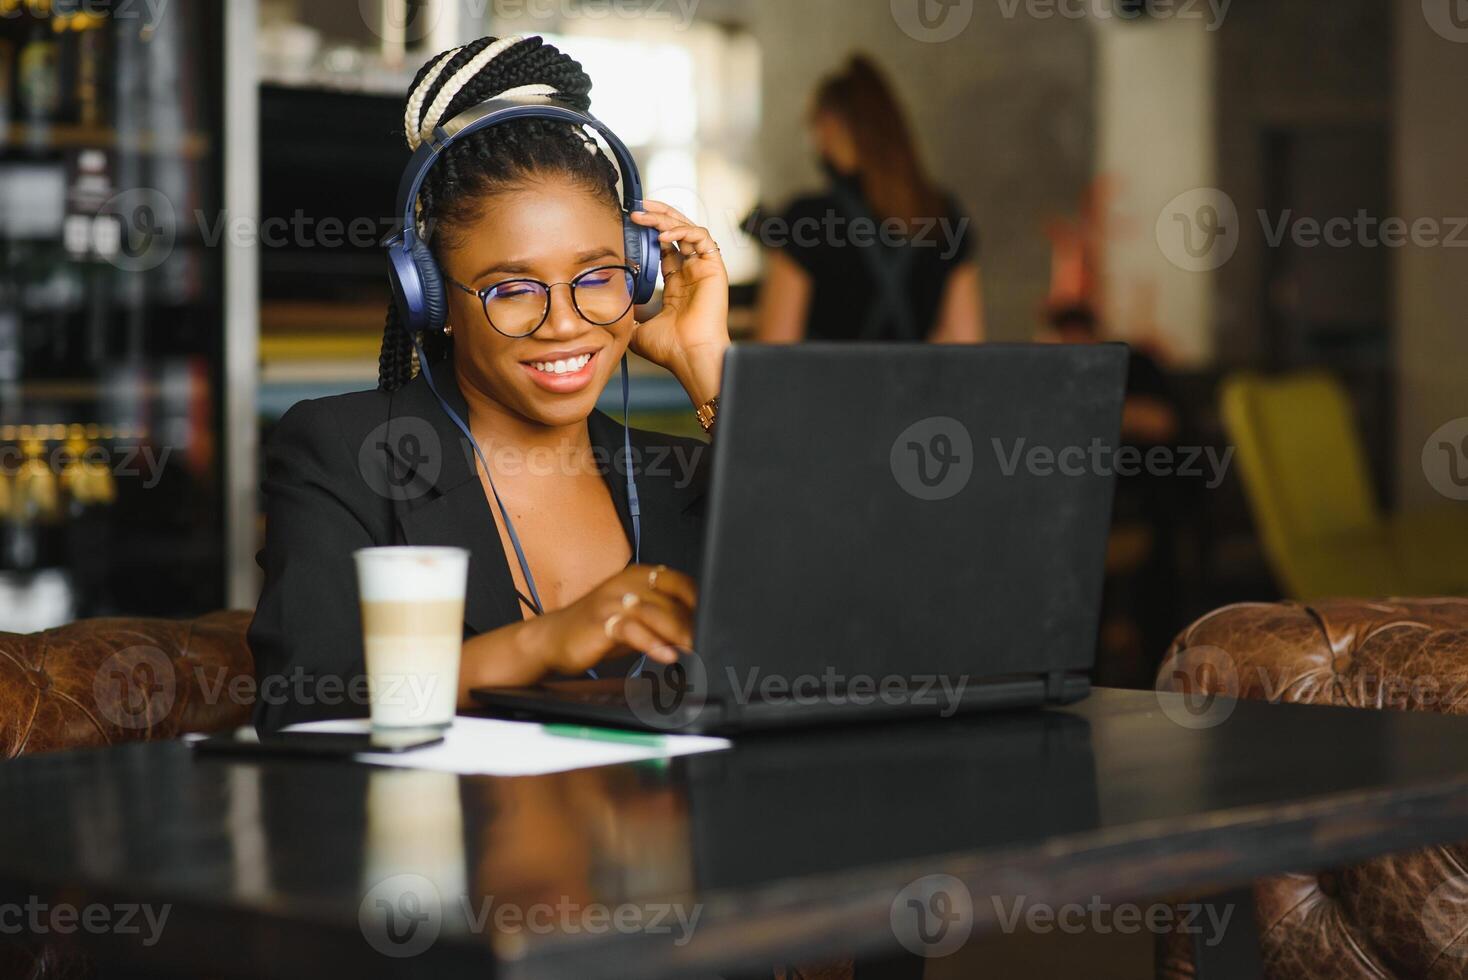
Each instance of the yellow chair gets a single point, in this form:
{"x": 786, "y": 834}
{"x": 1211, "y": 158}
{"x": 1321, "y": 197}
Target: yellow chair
{"x": 1305, "y": 475}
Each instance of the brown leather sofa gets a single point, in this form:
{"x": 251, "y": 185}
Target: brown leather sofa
{"x": 1374, "y": 920}
{"x": 103, "y": 681}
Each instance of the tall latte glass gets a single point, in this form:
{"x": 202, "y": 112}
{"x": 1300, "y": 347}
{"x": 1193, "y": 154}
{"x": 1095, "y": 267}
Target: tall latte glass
{"x": 412, "y": 631}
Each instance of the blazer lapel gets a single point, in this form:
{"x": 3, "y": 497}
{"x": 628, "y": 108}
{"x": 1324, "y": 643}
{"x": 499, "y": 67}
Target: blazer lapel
{"x": 443, "y": 504}
{"x": 448, "y": 508}
{"x": 461, "y": 519}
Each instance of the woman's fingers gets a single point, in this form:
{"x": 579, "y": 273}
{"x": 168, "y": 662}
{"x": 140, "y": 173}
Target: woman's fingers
{"x": 668, "y": 581}
{"x": 649, "y": 216}
{"x": 688, "y": 240}
{"x": 636, "y": 635}
{"x": 666, "y": 616}
{"x": 659, "y": 220}
{"x": 697, "y": 241}
{"x": 662, "y": 209}
{"x": 666, "y": 221}
{"x": 663, "y": 224}
{"x": 649, "y": 609}
{"x": 672, "y": 259}
{"x": 655, "y": 627}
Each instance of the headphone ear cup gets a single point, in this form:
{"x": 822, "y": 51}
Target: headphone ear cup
{"x": 643, "y": 251}
{"x": 435, "y": 304}
{"x": 407, "y": 286}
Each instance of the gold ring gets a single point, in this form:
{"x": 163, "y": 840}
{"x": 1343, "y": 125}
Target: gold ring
{"x": 652, "y": 576}
{"x": 711, "y": 251}
{"x": 611, "y": 624}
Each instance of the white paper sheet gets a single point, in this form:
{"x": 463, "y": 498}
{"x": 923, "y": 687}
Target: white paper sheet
{"x": 493, "y": 747}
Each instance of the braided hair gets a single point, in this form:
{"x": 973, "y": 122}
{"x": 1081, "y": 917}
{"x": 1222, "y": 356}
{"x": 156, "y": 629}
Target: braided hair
{"x": 489, "y": 161}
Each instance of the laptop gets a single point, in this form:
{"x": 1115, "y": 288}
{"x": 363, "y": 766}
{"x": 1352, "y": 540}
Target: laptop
{"x": 892, "y": 531}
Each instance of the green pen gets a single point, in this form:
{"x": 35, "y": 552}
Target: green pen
{"x": 605, "y": 735}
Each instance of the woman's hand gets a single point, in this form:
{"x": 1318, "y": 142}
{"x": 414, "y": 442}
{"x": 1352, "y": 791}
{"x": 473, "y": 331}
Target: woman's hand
{"x": 640, "y": 610}
{"x": 691, "y": 332}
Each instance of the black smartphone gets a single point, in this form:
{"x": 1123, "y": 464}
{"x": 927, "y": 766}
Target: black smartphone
{"x": 333, "y": 745}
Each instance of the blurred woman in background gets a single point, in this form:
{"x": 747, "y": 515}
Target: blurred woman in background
{"x": 882, "y": 254}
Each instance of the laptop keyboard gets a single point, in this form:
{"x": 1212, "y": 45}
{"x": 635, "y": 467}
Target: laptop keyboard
{"x": 606, "y": 691}
{"x": 591, "y": 697}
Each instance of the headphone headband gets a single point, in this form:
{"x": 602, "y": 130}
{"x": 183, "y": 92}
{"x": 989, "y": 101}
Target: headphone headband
{"x": 416, "y": 282}
{"x": 492, "y": 113}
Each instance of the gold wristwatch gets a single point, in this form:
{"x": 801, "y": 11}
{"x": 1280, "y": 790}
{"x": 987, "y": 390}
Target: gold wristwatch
{"x": 707, "y": 412}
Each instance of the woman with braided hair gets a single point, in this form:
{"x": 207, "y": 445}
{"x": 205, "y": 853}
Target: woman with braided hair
{"x": 524, "y": 222}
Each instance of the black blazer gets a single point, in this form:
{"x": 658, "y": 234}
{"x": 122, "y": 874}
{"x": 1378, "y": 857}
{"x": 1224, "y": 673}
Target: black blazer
{"x": 387, "y": 468}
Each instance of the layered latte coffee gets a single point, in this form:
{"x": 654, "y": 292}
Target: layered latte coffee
{"x": 412, "y": 632}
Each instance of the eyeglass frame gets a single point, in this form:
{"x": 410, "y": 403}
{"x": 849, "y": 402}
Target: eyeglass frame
{"x": 632, "y": 270}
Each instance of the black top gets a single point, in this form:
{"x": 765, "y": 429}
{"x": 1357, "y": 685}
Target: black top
{"x": 866, "y": 285}
{"x": 376, "y": 468}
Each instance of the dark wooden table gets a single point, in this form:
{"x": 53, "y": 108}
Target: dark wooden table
{"x": 788, "y": 848}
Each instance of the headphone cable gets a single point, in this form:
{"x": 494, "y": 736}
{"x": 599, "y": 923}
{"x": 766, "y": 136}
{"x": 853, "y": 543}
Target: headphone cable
{"x": 634, "y": 505}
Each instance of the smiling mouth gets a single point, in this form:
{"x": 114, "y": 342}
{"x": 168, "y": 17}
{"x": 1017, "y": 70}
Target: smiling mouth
{"x": 564, "y": 374}
{"x": 568, "y": 365}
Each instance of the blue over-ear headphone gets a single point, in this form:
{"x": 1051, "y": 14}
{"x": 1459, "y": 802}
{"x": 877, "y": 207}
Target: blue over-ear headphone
{"x": 416, "y": 282}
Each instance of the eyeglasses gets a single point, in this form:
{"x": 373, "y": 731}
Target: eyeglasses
{"x": 519, "y": 307}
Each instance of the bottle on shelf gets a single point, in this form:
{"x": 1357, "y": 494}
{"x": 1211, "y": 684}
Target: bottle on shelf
{"x": 37, "y": 494}
{"x": 7, "y": 73}
{"x": 81, "y": 33}
{"x": 85, "y": 479}
{"x": 91, "y": 67}
{"x": 38, "y": 78}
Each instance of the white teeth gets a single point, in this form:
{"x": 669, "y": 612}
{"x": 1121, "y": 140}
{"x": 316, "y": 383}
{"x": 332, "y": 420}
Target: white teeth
{"x": 568, "y": 366}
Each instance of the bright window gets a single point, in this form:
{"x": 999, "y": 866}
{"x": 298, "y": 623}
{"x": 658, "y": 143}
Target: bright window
{"x": 685, "y": 99}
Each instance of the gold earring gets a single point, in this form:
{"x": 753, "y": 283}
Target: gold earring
{"x": 448, "y": 330}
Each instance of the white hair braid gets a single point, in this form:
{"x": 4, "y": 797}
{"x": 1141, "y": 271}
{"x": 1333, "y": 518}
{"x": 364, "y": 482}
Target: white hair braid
{"x": 433, "y": 115}
{"x": 414, "y": 110}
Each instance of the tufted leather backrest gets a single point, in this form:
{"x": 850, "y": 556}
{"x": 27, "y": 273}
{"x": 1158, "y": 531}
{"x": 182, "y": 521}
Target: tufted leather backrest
{"x": 101, "y": 681}
{"x": 1400, "y": 916}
